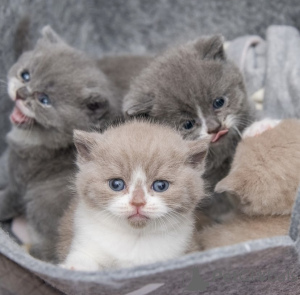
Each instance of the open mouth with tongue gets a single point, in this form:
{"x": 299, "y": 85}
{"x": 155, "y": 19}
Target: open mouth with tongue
{"x": 218, "y": 135}
{"x": 18, "y": 118}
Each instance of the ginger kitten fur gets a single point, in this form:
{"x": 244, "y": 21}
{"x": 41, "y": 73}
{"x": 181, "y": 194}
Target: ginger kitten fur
{"x": 137, "y": 188}
{"x": 264, "y": 179}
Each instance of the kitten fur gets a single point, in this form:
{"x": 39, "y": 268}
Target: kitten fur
{"x": 98, "y": 231}
{"x": 40, "y": 158}
{"x": 264, "y": 178}
{"x": 181, "y": 85}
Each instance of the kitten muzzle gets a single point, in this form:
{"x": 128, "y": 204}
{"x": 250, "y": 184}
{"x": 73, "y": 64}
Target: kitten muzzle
{"x": 218, "y": 135}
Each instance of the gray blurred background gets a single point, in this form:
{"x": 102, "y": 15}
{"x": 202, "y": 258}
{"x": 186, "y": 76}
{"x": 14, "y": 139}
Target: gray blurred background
{"x": 134, "y": 26}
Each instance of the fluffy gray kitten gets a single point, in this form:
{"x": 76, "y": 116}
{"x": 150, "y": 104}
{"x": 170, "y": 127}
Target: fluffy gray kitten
{"x": 197, "y": 90}
{"x": 56, "y": 89}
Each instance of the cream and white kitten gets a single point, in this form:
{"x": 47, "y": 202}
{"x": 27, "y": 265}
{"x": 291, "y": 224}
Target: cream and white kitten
{"x": 264, "y": 180}
{"x": 138, "y": 186}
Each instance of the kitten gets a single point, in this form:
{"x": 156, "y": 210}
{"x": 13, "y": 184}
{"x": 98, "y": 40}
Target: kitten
{"x": 136, "y": 197}
{"x": 264, "y": 179}
{"x": 56, "y": 89}
{"x": 196, "y": 89}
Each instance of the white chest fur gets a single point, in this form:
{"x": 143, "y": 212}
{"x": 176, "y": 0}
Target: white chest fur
{"x": 100, "y": 241}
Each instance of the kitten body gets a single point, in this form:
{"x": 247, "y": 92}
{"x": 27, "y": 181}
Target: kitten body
{"x": 137, "y": 224}
{"x": 264, "y": 179}
{"x": 56, "y": 89}
{"x": 197, "y": 90}
{"x": 243, "y": 228}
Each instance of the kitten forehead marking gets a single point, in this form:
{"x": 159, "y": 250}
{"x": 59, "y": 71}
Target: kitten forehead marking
{"x": 138, "y": 178}
{"x": 203, "y": 130}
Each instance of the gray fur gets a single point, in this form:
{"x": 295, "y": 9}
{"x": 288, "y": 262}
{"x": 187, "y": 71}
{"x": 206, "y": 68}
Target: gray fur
{"x": 191, "y": 76}
{"x": 39, "y": 162}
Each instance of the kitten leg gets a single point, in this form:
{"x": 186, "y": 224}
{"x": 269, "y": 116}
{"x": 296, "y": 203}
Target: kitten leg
{"x": 10, "y": 205}
{"x": 10, "y": 201}
{"x": 45, "y": 205}
{"x": 259, "y": 127}
{"x": 79, "y": 260}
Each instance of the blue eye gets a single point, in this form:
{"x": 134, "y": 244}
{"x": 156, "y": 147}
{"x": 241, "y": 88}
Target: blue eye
{"x": 218, "y": 102}
{"x": 160, "y": 185}
{"x": 44, "y": 99}
{"x": 117, "y": 184}
{"x": 25, "y": 76}
{"x": 189, "y": 124}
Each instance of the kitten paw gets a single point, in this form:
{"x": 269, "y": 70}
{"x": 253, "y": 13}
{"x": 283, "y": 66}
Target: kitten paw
{"x": 259, "y": 127}
{"x": 66, "y": 266}
{"x": 85, "y": 265}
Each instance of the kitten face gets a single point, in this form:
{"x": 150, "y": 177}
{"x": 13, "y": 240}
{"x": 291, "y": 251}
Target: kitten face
{"x": 128, "y": 173}
{"x": 264, "y": 175}
{"x": 55, "y": 87}
{"x": 193, "y": 88}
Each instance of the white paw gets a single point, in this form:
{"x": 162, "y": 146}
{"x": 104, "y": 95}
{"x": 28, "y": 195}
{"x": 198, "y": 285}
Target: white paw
{"x": 259, "y": 127}
{"x": 81, "y": 265}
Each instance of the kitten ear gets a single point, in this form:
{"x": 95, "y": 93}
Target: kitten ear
{"x": 84, "y": 142}
{"x": 227, "y": 184}
{"x": 197, "y": 152}
{"x": 50, "y": 36}
{"x": 211, "y": 48}
{"x": 95, "y": 100}
{"x": 138, "y": 106}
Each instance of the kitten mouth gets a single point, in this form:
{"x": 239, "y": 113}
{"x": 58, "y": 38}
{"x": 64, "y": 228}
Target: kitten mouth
{"x": 218, "y": 135}
{"x": 137, "y": 217}
{"x": 17, "y": 117}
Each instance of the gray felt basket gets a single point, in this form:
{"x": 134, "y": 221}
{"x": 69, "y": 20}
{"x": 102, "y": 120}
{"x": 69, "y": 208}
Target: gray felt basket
{"x": 268, "y": 266}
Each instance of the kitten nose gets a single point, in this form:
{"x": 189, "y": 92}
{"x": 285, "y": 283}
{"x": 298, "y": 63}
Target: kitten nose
{"x": 213, "y": 126}
{"x": 22, "y": 93}
{"x": 138, "y": 198}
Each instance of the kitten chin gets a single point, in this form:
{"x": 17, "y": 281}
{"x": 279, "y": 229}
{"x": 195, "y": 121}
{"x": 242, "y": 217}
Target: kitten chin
{"x": 264, "y": 179}
{"x": 135, "y": 197}
{"x": 197, "y": 90}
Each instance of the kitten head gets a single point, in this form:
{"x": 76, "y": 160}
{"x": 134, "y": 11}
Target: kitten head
{"x": 265, "y": 172}
{"x": 194, "y": 88}
{"x": 141, "y": 173}
{"x": 57, "y": 89}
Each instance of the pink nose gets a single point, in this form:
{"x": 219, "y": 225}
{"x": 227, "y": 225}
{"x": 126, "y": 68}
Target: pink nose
{"x": 138, "y": 198}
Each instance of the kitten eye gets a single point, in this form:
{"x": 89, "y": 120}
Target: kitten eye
{"x": 117, "y": 184}
{"x": 44, "y": 99}
{"x": 218, "y": 102}
{"x": 188, "y": 124}
{"x": 25, "y": 76}
{"x": 160, "y": 185}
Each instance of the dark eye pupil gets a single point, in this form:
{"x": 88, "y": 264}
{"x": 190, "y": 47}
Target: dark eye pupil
{"x": 188, "y": 124}
{"x": 218, "y": 102}
{"x": 25, "y": 76}
{"x": 117, "y": 184}
{"x": 160, "y": 185}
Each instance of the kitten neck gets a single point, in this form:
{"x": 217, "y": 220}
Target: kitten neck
{"x": 26, "y": 141}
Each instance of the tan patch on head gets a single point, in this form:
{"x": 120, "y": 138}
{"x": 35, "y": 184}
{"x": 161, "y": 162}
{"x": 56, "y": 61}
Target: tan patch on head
{"x": 265, "y": 171}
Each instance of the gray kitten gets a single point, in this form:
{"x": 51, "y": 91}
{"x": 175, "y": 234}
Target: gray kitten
{"x": 196, "y": 89}
{"x": 56, "y": 89}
